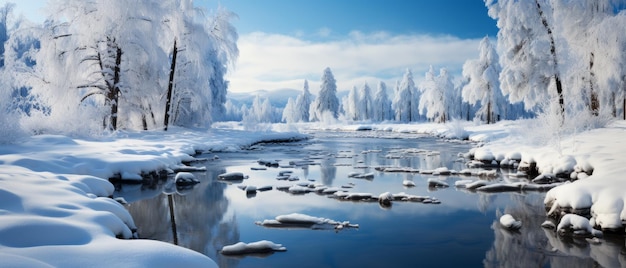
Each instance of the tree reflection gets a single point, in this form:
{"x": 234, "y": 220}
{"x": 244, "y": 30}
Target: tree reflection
{"x": 199, "y": 214}
{"x": 534, "y": 246}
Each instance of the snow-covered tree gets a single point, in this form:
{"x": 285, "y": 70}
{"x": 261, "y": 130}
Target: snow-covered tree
{"x": 581, "y": 25}
{"x": 365, "y": 103}
{"x": 303, "y": 103}
{"x": 530, "y": 61}
{"x": 405, "y": 102}
{"x": 484, "y": 86}
{"x": 261, "y": 111}
{"x": 438, "y": 95}
{"x": 381, "y": 104}
{"x": 351, "y": 105}
{"x": 290, "y": 112}
{"x": 326, "y": 102}
{"x": 610, "y": 62}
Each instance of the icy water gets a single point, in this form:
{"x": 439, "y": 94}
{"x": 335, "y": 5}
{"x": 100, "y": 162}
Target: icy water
{"x": 461, "y": 231}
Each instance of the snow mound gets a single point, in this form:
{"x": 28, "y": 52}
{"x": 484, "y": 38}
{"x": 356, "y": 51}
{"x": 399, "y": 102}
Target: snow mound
{"x": 298, "y": 220}
{"x": 507, "y": 221}
{"x": 185, "y": 179}
{"x": 408, "y": 183}
{"x": 577, "y": 225}
{"x": 263, "y": 246}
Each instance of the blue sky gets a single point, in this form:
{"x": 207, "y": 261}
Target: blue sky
{"x": 462, "y": 18}
{"x": 283, "y": 42}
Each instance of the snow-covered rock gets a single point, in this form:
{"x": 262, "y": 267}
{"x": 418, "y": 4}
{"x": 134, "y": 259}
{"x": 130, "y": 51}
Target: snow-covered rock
{"x": 408, "y": 183}
{"x": 185, "y": 179}
{"x": 263, "y": 246}
{"x": 577, "y": 225}
{"x": 437, "y": 183}
{"x": 232, "y": 176}
{"x": 507, "y": 221}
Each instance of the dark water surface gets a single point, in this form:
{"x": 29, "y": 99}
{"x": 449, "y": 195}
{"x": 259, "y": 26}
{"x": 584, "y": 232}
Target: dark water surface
{"x": 462, "y": 231}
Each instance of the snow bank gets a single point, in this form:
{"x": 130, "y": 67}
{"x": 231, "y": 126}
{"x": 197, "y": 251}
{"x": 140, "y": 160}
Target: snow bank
{"x": 45, "y": 216}
{"x": 596, "y": 157}
{"x": 54, "y": 195}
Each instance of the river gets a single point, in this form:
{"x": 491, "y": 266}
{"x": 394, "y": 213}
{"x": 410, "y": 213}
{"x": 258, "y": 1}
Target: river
{"x": 460, "y": 230}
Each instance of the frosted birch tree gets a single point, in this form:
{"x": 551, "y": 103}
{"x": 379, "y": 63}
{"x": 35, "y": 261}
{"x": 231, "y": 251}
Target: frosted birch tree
{"x": 483, "y": 87}
{"x": 326, "y": 103}
{"x": 530, "y": 58}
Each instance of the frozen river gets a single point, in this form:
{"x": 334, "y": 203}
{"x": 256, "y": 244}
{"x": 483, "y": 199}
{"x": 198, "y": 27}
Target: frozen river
{"x": 460, "y": 231}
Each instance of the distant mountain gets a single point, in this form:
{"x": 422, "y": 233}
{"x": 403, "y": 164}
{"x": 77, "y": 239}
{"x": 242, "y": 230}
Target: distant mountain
{"x": 278, "y": 98}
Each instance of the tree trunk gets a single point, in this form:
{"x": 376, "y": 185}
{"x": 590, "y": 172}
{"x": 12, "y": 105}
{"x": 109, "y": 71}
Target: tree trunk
{"x": 488, "y": 112}
{"x": 594, "y": 104}
{"x": 170, "y": 88}
{"x": 114, "y": 91}
{"x": 557, "y": 78}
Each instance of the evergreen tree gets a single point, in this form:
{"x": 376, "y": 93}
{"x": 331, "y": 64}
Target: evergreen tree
{"x": 327, "y": 102}
{"x": 483, "y": 87}
{"x": 381, "y": 104}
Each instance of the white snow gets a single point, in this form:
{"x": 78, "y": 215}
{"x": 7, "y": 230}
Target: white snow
{"x": 263, "y": 246}
{"x": 59, "y": 183}
{"x": 305, "y": 221}
{"x": 54, "y": 196}
{"x": 598, "y": 151}
{"x": 507, "y": 221}
{"x": 578, "y": 225}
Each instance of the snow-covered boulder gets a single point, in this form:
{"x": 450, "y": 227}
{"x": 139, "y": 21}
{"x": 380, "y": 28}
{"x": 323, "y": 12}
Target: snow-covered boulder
{"x": 507, "y": 221}
{"x": 437, "y": 183}
{"x": 385, "y": 199}
{"x": 577, "y": 225}
{"x": 263, "y": 246}
{"x": 185, "y": 179}
{"x": 408, "y": 183}
{"x": 232, "y": 176}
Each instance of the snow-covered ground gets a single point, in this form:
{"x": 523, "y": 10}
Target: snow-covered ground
{"x": 54, "y": 197}
{"x": 55, "y": 208}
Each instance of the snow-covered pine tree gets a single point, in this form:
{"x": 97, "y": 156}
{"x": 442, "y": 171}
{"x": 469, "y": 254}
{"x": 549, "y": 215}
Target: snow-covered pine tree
{"x": 351, "y": 105}
{"x": 290, "y": 112}
{"x": 326, "y": 102}
{"x": 437, "y": 95}
{"x": 303, "y": 103}
{"x": 483, "y": 87}
{"x": 381, "y": 104}
{"x": 404, "y": 103}
{"x": 365, "y": 103}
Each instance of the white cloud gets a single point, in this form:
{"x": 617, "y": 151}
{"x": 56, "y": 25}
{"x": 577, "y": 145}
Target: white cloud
{"x": 273, "y": 61}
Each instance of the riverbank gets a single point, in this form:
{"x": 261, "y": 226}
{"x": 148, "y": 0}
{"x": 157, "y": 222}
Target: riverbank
{"x": 54, "y": 196}
{"x": 55, "y": 209}
{"x": 594, "y": 160}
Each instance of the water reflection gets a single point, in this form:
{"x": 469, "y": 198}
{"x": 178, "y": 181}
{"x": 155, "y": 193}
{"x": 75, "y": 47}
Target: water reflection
{"x": 201, "y": 224}
{"x": 464, "y": 226}
{"x": 534, "y": 246}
